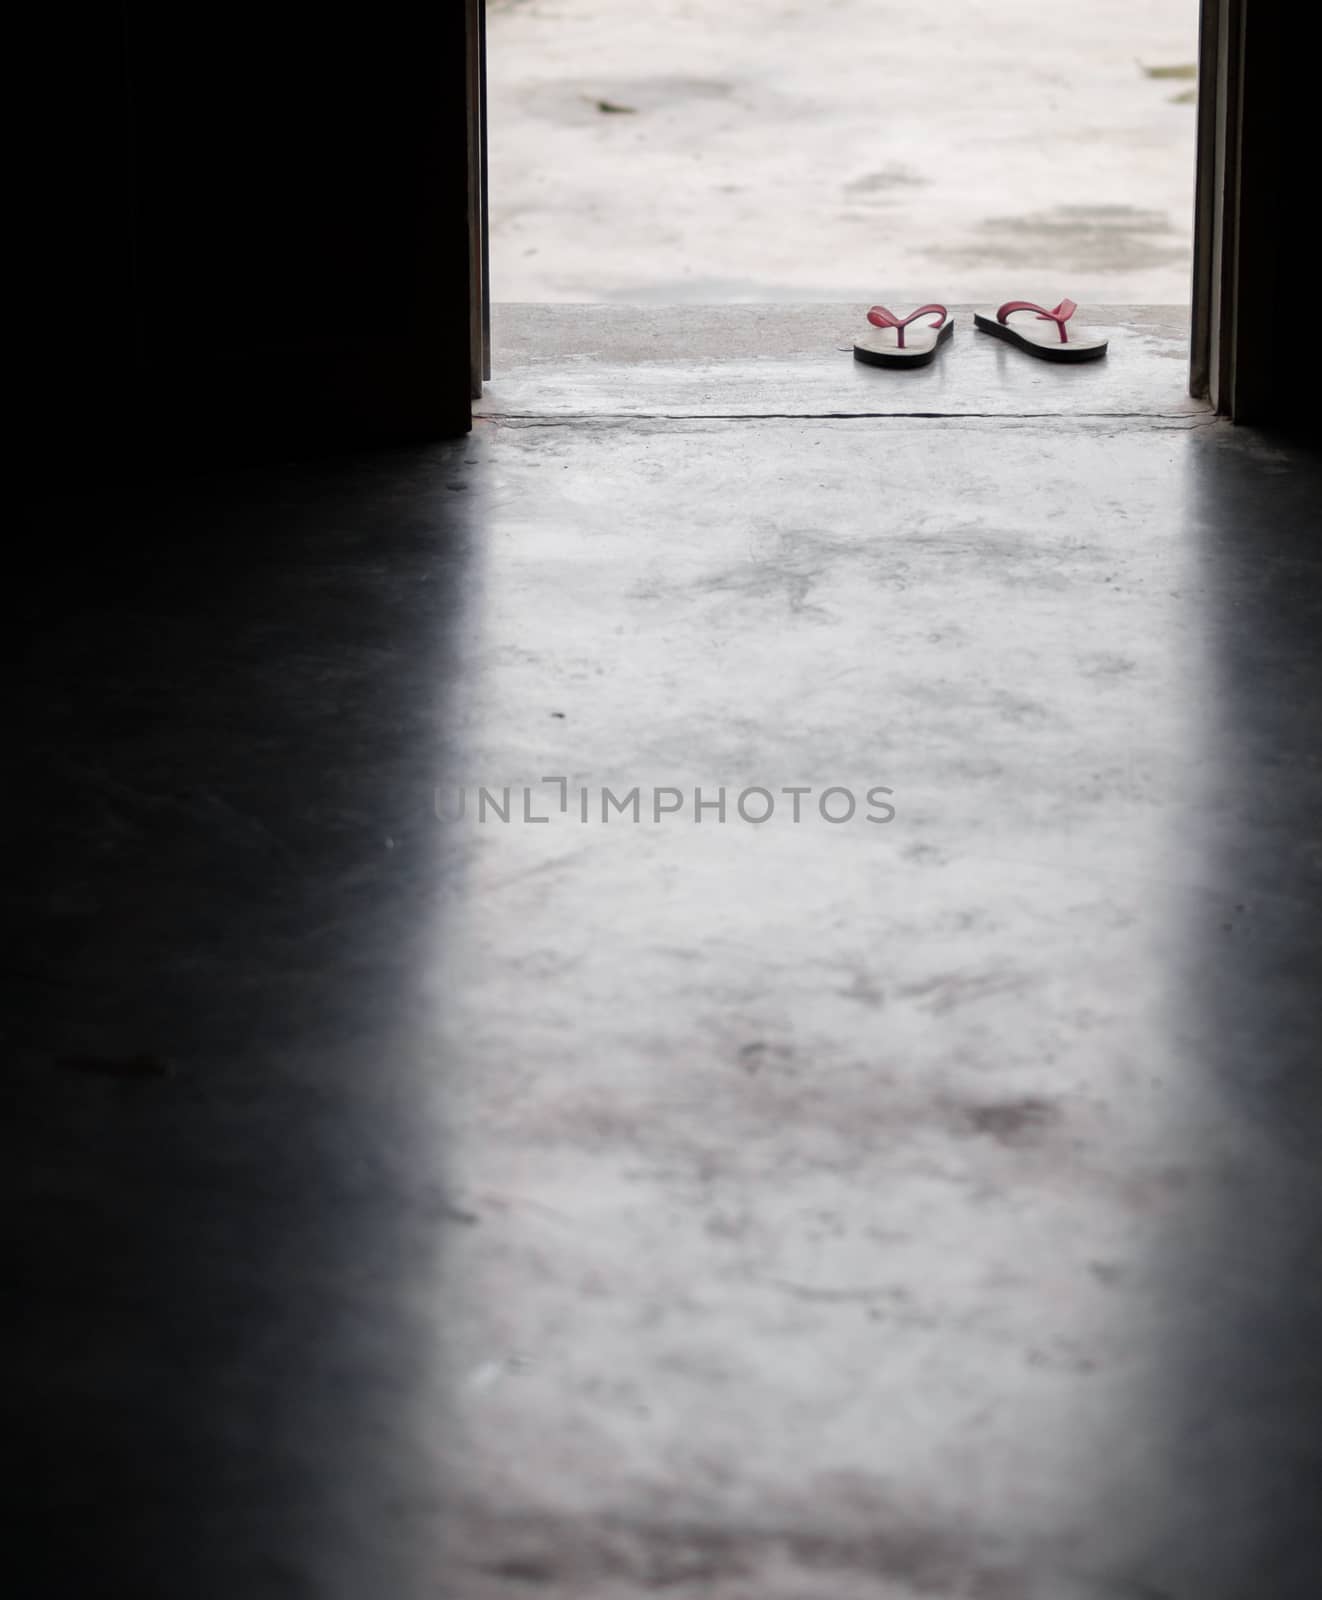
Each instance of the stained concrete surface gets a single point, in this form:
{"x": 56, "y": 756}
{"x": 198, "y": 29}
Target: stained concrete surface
{"x": 768, "y": 361}
{"x": 881, "y": 1211}
{"x": 840, "y": 150}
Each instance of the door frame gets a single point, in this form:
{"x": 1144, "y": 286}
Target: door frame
{"x": 1255, "y": 134}
{"x": 1236, "y": 215}
{"x": 479, "y": 232}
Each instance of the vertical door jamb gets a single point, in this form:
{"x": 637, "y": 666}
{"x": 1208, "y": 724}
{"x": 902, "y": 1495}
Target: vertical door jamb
{"x": 479, "y": 308}
{"x": 486, "y": 211}
{"x": 1244, "y": 161}
{"x": 1216, "y": 197}
{"x": 1206, "y": 170}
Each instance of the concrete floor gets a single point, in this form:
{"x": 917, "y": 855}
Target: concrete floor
{"x": 917, "y": 1210}
{"x": 836, "y": 150}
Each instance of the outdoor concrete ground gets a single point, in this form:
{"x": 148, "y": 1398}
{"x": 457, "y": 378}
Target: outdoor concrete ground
{"x": 840, "y": 150}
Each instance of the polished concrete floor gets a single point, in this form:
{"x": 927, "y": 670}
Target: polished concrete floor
{"x": 420, "y": 1204}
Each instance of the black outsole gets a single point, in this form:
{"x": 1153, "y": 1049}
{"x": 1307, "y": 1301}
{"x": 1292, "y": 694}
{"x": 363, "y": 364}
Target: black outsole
{"x": 890, "y": 358}
{"x": 1043, "y": 352}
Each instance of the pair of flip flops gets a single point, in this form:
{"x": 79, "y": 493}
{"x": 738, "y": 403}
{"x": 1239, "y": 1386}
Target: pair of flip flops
{"x": 892, "y": 346}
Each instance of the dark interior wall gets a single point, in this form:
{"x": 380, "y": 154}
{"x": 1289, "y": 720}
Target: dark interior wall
{"x": 245, "y": 229}
{"x": 1283, "y": 41}
{"x": 1272, "y": 183}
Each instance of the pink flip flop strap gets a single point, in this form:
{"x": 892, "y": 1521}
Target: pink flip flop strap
{"x": 880, "y": 317}
{"x": 1060, "y": 315}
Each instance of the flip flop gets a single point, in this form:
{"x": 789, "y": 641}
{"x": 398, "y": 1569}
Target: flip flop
{"x": 1037, "y": 341}
{"x": 890, "y": 348}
